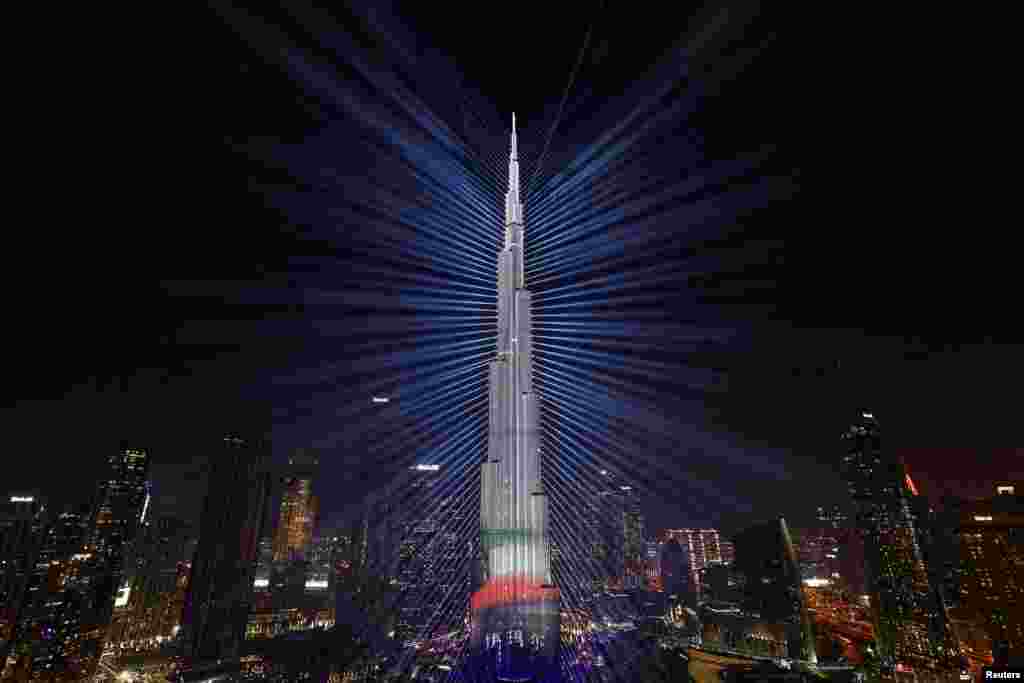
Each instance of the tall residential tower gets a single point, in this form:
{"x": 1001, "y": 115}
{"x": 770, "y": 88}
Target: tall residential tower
{"x": 515, "y": 612}
{"x": 912, "y": 625}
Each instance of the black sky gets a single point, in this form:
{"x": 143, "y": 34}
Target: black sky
{"x": 160, "y": 306}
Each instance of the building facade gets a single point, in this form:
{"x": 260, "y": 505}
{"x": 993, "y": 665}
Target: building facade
{"x": 913, "y": 630}
{"x": 771, "y": 594}
{"x": 234, "y": 517}
{"x": 21, "y": 524}
{"x": 52, "y": 624}
{"x": 515, "y": 612}
{"x": 299, "y": 508}
{"x": 148, "y": 612}
{"x": 985, "y": 540}
{"x": 703, "y": 546}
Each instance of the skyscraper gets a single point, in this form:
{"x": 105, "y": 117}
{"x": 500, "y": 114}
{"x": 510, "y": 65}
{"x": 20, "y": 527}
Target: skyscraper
{"x": 145, "y": 611}
{"x": 912, "y": 626}
{"x": 515, "y": 613}
{"x": 833, "y": 517}
{"x": 47, "y": 640}
{"x": 766, "y": 558}
{"x": 615, "y": 525}
{"x": 298, "y": 508}
{"x": 982, "y": 542}
{"x": 21, "y": 520}
{"x": 121, "y": 501}
{"x": 675, "y": 573}
{"x": 220, "y": 589}
{"x": 702, "y": 547}
{"x": 418, "y": 561}
{"x": 632, "y": 538}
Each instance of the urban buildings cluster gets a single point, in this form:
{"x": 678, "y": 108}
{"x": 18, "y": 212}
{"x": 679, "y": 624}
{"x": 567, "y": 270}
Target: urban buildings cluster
{"x": 884, "y": 580}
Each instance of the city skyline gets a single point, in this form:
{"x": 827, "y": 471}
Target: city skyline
{"x": 739, "y": 242}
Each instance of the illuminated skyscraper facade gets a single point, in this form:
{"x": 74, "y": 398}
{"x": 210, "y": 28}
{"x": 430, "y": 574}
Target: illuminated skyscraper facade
{"x": 122, "y": 501}
{"x": 418, "y": 539}
{"x": 149, "y": 609}
{"x": 49, "y": 634}
{"x": 616, "y": 533}
{"x": 982, "y": 542}
{"x": 297, "y": 518}
{"x": 515, "y": 613}
{"x": 702, "y": 546}
{"x": 21, "y": 522}
{"x": 912, "y": 626}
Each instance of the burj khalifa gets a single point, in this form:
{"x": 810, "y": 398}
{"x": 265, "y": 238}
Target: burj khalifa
{"x": 515, "y": 612}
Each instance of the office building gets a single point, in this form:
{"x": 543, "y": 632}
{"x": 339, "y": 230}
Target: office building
{"x": 703, "y": 546}
{"x": 148, "y": 610}
{"x": 52, "y": 624}
{"x": 986, "y": 540}
{"x": 616, "y": 532}
{"x": 912, "y": 626}
{"x": 299, "y": 508}
{"x": 766, "y": 558}
{"x": 21, "y": 524}
{"x": 234, "y": 517}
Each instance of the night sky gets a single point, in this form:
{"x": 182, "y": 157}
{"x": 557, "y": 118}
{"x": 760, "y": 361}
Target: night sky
{"x": 739, "y": 233}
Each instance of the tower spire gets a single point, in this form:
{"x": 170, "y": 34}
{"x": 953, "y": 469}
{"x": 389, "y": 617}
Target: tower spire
{"x": 515, "y": 155}
{"x": 513, "y": 207}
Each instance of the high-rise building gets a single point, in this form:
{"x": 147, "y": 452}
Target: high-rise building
{"x": 818, "y": 552}
{"x": 703, "y": 546}
{"x": 616, "y": 529}
{"x": 148, "y": 609}
{"x": 833, "y": 516}
{"x": 51, "y": 627}
{"x": 415, "y": 525}
{"x": 652, "y": 566}
{"x": 767, "y": 560}
{"x": 604, "y": 532}
{"x": 727, "y": 550}
{"x": 912, "y": 626}
{"x": 416, "y": 536}
{"x": 676, "y": 572}
{"x": 121, "y": 502}
{"x": 234, "y": 517}
{"x": 632, "y": 538}
{"x": 21, "y": 524}
{"x": 515, "y": 614}
{"x": 299, "y": 508}
{"x": 724, "y": 585}
{"x": 984, "y": 539}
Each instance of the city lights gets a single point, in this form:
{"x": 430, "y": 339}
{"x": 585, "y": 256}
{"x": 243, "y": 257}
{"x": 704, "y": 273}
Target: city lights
{"x": 622, "y": 338}
{"x": 123, "y": 595}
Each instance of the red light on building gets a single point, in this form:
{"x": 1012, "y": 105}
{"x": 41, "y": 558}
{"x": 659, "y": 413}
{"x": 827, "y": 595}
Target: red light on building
{"x": 910, "y": 485}
{"x": 511, "y": 591}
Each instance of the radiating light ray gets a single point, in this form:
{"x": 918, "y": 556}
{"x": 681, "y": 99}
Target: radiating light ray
{"x": 414, "y": 281}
